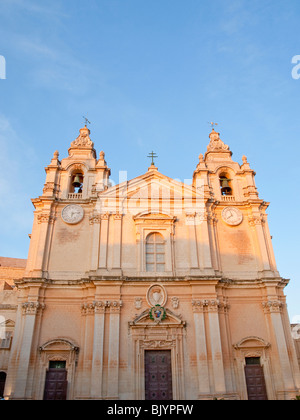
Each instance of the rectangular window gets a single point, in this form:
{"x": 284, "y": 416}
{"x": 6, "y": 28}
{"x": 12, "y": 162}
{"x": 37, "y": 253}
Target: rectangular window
{"x": 253, "y": 361}
{"x": 155, "y": 253}
{"x": 5, "y": 343}
{"x": 57, "y": 364}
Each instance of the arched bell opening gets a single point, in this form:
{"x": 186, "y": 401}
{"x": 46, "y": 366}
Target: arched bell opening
{"x": 76, "y": 184}
{"x": 225, "y": 184}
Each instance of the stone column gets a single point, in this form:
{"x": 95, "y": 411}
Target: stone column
{"x": 103, "y": 241}
{"x": 201, "y": 347}
{"x": 45, "y": 222}
{"x": 95, "y": 223}
{"x": 269, "y": 245}
{"x": 117, "y": 241}
{"x": 98, "y": 348}
{"x": 203, "y": 241}
{"x": 213, "y": 241}
{"x": 87, "y": 310}
{"x": 216, "y": 346}
{"x": 190, "y": 221}
{"x": 256, "y": 223}
{"x": 274, "y": 308}
{"x": 30, "y": 310}
{"x": 113, "y": 349}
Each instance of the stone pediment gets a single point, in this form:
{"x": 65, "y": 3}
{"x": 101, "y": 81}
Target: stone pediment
{"x": 144, "y": 320}
{"x": 139, "y": 186}
{"x": 251, "y": 342}
{"x": 160, "y": 218}
{"x": 58, "y": 345}
{"x": 7, "y": 323}
{"x": 152, "y": 193}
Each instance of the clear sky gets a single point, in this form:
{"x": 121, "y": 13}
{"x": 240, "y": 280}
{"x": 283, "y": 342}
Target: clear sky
{"x": 149, "y": 75}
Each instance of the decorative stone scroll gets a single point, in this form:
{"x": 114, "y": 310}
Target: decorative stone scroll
{"x": 100, "y": 307}
{"x": 255, "y": 220}
{"x": 216, "y": 144}
{"x": 212, "y": 305}
{"x": 83, "y": 140}
{"x": 32, "y": 308}
{"x": 115, "y": 306}
{"x": 274, "y": 306}
{"x": 94, "y": 218}
{"x": 46, "y": 218}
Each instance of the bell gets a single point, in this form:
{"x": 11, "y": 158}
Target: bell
{"x": 225, "y": 187}
{"x": 224, "y": 183}
{"x": 76, "y": 183}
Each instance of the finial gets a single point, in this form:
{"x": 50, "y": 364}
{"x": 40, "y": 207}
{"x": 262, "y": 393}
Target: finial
{"x": 86, "y": 121}
{"x": 152, "y": 155}
{"x": 213, "y": 124}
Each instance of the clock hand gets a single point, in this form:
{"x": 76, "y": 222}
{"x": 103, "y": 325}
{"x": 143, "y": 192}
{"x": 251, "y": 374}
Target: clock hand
{"x": 231, "y": 215}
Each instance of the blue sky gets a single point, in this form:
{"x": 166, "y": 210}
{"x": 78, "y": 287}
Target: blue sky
{"x": 149, "y": 75}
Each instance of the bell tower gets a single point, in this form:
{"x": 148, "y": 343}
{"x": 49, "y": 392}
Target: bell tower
{"x": 238, "y": 214}
{"x": 226, "y": 180}
{"x": 72, "y": 181}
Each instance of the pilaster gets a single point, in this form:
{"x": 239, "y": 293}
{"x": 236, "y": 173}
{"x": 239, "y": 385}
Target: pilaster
{"x": 30, "y": 311}
{"x": 104, "y": 241}
{"x": 114, "y": 349}
{"x": 273, "y": 308}
{"x": 201, "y": 347}
{"x": 98, "y": 349}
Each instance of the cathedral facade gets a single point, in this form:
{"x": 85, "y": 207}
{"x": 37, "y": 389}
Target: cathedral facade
{"x": 151, "y": 289}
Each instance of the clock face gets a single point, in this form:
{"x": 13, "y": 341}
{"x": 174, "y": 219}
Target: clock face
{"x": 232, "y": 216}
{"x": 72, "y": 214}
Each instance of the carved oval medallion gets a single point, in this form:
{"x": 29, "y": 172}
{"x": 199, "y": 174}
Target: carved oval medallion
{"x": 156, "y": 295}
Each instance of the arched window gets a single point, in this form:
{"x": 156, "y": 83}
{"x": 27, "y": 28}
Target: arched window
{"x": 155, "y": 253}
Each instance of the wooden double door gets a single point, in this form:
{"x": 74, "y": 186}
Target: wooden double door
{"x": 56, "y": 383}
{"x": 158, "y": 375}
{"x": 255, "y": 379}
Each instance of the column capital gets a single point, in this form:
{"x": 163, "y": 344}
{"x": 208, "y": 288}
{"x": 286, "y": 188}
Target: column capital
{"x": 114, "y": 306}
{"x": 209, "y": 305}
{"x": 272, "y": 306}
{"x": 32, "y": 308}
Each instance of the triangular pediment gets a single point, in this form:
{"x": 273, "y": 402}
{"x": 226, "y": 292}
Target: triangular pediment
{"x": 145, "y": 215}
{"x": 7, "y": 323}
{"x": 152, "y": 193}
